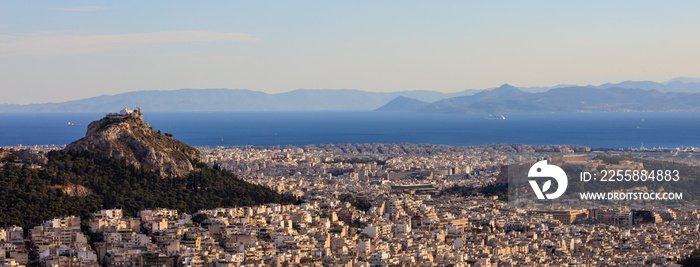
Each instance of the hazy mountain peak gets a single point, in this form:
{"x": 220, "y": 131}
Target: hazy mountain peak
{"x": 403, "y": 104}
{"x": 507, "y": 86}
{"x": 502, "y": 91}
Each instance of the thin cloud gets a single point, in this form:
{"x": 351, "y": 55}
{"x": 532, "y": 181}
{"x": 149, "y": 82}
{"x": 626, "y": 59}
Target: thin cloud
{"x": 63, "y": 44}
{"x": 80, "y": 8}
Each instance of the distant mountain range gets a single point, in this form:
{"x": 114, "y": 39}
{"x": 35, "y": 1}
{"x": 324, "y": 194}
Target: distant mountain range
{"x": 680, "y": 84}
{"x": 676, "y": 94}
{"x": 509, "y": 99}
{"x": 232, "y": 100}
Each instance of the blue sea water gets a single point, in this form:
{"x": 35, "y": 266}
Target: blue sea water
{"x": 611, "y": 130}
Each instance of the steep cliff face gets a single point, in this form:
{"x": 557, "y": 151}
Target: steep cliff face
{"x": 130, "y": 139}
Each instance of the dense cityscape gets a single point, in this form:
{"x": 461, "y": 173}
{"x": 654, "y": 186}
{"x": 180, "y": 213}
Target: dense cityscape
{"x": 364, "y": 205}
{"x": 349, "y": 133}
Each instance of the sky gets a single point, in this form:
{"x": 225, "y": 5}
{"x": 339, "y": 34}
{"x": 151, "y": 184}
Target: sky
{"x": 54, "y": 51}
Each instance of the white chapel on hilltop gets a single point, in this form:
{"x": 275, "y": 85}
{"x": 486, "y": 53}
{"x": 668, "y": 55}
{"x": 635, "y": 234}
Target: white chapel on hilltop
{"x": 125, "y": 112}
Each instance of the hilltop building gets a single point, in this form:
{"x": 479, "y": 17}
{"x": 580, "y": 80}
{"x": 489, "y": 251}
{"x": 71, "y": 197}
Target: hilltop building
{"x": 126, "y": 112}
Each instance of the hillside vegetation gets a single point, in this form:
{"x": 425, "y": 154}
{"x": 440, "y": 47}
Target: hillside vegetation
{"x": 30, "y": 196}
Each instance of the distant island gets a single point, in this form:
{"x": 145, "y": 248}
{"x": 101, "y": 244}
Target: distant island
{"x": 509, "y": 99}
{"x": 680, "y": 94}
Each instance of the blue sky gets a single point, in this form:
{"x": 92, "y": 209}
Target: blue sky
{"x": 53, "y": 51}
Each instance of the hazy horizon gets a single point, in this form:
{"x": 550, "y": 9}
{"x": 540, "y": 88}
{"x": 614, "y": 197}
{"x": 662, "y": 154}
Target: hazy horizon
{"x": 320, "y": 89}
{"x": 61, "y": 51}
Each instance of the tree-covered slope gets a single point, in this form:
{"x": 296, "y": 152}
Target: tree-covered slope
{"x": 29, "y": 196}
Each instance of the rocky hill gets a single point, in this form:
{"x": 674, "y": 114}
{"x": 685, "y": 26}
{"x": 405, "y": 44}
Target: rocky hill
{"x": 120, "y": 163}
{"x": 127, "y": 137}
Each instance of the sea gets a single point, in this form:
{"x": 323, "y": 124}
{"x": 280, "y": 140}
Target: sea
{"x": 211, "y": 129}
